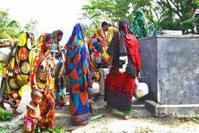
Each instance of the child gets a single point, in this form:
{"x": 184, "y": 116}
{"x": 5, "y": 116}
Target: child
{"x": 32, "y": 115}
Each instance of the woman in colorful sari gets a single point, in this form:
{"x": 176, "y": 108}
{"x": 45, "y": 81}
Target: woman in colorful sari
{"x": 18, "y": 70}
{"x": 42, "y": 78}
{"x": 59, "y": 58}
{"x": 124, "y": 49}
{"x": 77, "y": 68}
{"x": 98, "y": 46}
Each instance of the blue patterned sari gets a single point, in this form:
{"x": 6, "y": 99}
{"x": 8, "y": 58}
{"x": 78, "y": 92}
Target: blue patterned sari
{"x": 77, "y": 69}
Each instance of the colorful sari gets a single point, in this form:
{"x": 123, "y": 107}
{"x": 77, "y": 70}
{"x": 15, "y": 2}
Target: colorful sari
{"x": 1, "y": 77}
{"x": 77, "y": 68}
{"x": 18, "y": 71}
{"x": 42, "y": 78}
{"x": 98, "y": 54}
{"x": 119, "y": 95}
{"x": 59, "y": 70}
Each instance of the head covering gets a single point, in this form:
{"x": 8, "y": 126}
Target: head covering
{"x": 76, "y": 55}
{"x": 56, "y": 35}
{"x": 77, "y": 69}
{"x": 132, "y": 46}
{"x": 77, "y": 34}
{"x": 43, "y": 40}
{"x": 124, "y": 28}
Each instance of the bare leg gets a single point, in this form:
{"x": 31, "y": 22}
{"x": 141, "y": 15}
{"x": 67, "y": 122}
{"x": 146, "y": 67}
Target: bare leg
{"x": 33, "y": 128}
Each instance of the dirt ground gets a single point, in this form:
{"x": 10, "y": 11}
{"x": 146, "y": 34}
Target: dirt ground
{"x": 143, "y": 122}
{"x": 107, "y": 122}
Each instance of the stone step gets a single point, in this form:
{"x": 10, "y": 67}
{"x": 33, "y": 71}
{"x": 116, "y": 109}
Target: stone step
{"x": 138, "y": 106}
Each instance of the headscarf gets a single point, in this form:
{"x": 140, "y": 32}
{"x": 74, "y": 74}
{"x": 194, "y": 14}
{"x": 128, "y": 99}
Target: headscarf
{"x": 77, "y": 34}
{"x": 40, "y": 65}
{"x": 56, "y": 35}
{"x": 124, "y": 28}
{"x": 129, "y": 44}
{"x": 76, "y": 54}
{"x": 43, "y": 40}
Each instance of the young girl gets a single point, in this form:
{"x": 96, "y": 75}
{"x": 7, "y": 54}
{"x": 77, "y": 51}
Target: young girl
{"x": 32, "y": 115}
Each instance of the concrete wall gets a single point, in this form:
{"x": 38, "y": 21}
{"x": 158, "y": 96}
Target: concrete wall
{"x": 172, "y": 63}
{"x": 148, "y": 50}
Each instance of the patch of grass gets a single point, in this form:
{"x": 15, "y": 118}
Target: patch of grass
{"x": 5, "y": 115}
{"x": 4, "y": 129}
{"x": 176, "y": 121}
{"x": 21, "y": 125}
{"x": 56, "y": 130}
{"x": 143, "y": 130}
{"x": 53, "y": 130}
{"x": 194, "y": 119}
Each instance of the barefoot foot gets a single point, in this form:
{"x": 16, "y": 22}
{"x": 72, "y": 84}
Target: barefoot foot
{"x": 126, "y": 117}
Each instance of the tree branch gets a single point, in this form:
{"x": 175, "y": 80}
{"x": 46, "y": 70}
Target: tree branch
{"x": 171, "y": 8}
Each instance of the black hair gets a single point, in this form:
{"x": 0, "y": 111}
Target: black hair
{"x": 104, "y": 24}
{"x": 58, "y": 33}
{"x": 94, "y": 78}
{"x": 33, "y": 93}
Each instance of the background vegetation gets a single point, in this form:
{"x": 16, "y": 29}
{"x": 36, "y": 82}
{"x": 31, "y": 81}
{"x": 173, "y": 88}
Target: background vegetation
{"x": 10, "y": 28}
{"x": 146, "y": 16}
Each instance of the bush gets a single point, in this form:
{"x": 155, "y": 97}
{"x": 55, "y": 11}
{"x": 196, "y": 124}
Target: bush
{"x": 5, "y": 115}
{"x": 4, "y": 129}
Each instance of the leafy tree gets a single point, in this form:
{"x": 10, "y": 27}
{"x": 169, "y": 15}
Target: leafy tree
{"x": 167, "y": 14}
{"x": 114, "y": 10}
{"x": 175, "y": 13}
{"x": 9, "y": 28}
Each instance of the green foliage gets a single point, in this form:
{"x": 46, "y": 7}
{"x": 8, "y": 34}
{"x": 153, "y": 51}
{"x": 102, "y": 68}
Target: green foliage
{"x": 111, "y": 11}
{"x": 196, "y": 4}
{"x": 9, "y": 28}
{"x": 89, "y": 30}
{"x": 139, "y": 23}
{"x": 175, "y": 13}
{"x": 56, "y": 130}
{"x": 5, "y": 115}
{"x": 164, "y": 14}
{"x": 4, "y": 129}
{"x": 53, "y": 130}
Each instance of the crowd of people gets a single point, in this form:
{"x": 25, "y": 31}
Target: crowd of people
{"x": 52, "y": 69}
